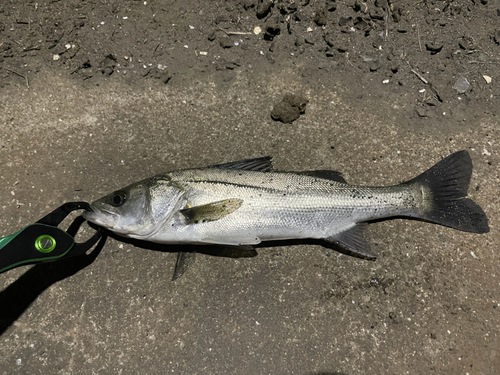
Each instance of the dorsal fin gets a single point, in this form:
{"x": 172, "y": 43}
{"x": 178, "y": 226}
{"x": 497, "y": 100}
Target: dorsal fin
{"x": 263, "y": 164}
{"x": 326, "y": 174}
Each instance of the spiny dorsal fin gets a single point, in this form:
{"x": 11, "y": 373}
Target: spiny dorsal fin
{"x": 263, "y": 164}
{"x": 326, "y": 174}
{"x": 211, "y": 211}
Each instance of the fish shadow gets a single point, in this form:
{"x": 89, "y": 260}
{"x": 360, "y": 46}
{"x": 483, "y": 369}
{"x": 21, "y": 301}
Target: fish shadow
{"x": 19, "y": 295}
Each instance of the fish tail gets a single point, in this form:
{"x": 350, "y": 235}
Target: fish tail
{"x": 444, "y": 188}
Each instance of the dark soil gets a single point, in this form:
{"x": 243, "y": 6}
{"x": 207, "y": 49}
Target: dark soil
{"x": 411, "y": 53}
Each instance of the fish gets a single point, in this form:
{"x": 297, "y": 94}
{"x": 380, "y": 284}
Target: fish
{"x": 246, "y": 202}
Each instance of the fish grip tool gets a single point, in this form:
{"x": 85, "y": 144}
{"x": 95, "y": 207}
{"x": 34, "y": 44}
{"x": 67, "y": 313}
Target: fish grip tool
{"x": 43, "y": 241}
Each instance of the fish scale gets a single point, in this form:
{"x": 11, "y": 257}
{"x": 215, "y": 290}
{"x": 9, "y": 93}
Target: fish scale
{"x": 285, "y": 203}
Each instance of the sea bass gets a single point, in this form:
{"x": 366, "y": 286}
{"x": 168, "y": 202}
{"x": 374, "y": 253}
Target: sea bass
{"x": 243, "y": 203}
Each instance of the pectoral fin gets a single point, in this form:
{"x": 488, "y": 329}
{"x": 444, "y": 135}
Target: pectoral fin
{"x": 352, "y": 242}
{"x": 211, "y": 211}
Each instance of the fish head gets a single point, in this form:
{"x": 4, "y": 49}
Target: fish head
{"x": 138, "y": 210}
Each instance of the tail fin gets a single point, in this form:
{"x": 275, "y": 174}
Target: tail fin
{"x": 447, "y": 182}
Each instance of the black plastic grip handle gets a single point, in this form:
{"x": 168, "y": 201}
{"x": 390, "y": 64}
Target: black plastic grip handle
{"x": 33, "y": 244}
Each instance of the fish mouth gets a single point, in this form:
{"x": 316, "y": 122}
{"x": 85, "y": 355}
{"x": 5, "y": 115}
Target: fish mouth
{"x": 99, "y": 215}
{"x": 89, "y": 215}
{"x": 107, "y": 212}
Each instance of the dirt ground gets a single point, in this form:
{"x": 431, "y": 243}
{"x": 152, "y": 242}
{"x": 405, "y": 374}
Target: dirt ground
{"x": 95, "y": 95}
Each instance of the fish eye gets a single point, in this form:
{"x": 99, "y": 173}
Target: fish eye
{"x": 118, "y": 198}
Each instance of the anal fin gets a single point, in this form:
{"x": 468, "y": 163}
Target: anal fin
{"x": 352, "y": 242}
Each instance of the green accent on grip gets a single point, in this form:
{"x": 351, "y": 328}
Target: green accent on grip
{"x": 45, "y": 243}
{"x": 5, "y": 240}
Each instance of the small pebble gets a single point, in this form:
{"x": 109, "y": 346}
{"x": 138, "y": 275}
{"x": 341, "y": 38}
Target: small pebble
{"x": 487, "y": 79}
{"x": 462, "y": 85}
{"x": 257, "y": 30}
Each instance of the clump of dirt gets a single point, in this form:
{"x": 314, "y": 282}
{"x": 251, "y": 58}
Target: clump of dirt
{"x": 289, "y": 109}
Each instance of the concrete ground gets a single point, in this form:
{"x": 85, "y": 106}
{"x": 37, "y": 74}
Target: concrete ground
{"x": 430, "y": 303}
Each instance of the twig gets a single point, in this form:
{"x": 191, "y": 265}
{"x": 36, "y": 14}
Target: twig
{"x": 14, "y": 72}
{"x": 19, "y": 75}
{"x": 420, "y": 76}
{"x": 418, "y": 35}
{"x": 349, "y": 61}
{"x": 431, "y": 86}
{"x": 386, "y": 19}
{"x": 36, "y": 48}
{"x": 473, "y": 62}
{"x": 238, "y": 33}
{"x": 235, "y": 32}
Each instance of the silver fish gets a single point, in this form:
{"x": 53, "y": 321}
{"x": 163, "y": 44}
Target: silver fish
{"x": 246, "y": 202}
